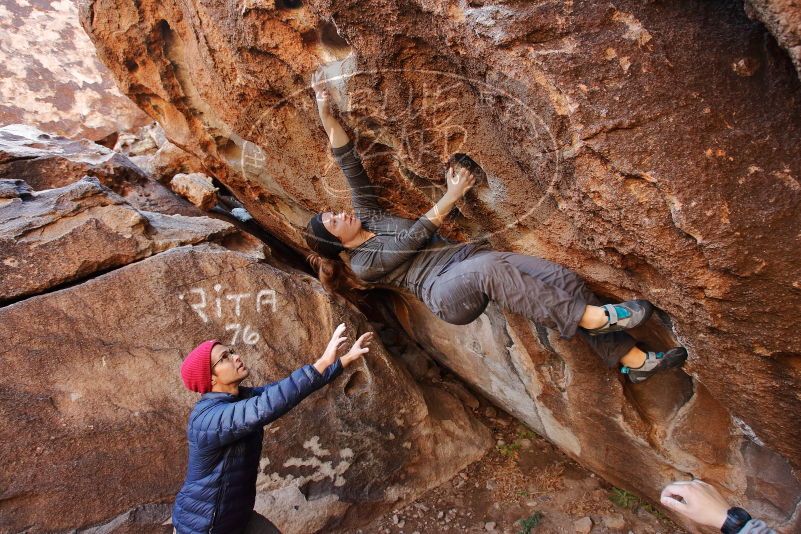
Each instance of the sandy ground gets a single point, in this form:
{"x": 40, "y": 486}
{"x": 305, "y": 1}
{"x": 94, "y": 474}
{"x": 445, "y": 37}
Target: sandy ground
{"x": 523, "y": 485}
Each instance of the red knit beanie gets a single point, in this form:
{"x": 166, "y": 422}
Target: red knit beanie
{"x": 196, "y": 368}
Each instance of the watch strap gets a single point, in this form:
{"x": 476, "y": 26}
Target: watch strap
{"x": 736, "y": 518}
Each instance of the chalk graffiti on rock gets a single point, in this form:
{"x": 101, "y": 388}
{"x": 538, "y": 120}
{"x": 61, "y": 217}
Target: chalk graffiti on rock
{"x": 220, "y": 305}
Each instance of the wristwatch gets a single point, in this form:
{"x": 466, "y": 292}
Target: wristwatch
{"x": 736, "y": 518}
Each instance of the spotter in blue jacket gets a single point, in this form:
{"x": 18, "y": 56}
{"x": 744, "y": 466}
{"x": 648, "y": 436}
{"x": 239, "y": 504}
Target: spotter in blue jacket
{"x": 225, "y": 435}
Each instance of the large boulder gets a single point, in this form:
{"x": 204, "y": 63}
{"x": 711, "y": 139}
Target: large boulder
{"x": 62, "y": 235}
{"x": 150, "y": 150}
{"x": 47, "y": 161}
{"x": 652, "y": 147}
{"x": 637, "y": 436}
{"x": 50, "y": 75}
{"x": 94, "y": 412}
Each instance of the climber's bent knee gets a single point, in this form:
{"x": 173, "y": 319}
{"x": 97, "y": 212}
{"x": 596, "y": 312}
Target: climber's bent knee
{"x": 461, "y": 313}
{"x": 457, "y": 299}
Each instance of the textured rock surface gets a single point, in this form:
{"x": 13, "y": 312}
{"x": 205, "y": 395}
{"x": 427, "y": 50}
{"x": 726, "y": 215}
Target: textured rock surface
{"x": 65, "y": 234}
{"x": 652, "y": 147}
{"x": 196, "y": 188}
{"x": 46, "y": 161}
{"x": 96, "y": 388}
{"x": 152, "y": 152}
{"x": 50, "y": 75}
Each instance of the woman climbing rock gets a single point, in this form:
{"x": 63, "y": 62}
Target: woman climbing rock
{"x": 457, "y": 281}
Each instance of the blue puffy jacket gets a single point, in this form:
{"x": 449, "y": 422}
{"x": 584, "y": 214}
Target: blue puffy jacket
{"x": 225, "y": 435}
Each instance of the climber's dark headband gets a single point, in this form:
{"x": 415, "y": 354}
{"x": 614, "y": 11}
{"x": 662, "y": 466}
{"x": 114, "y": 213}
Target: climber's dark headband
{"x": 321, "y": 240}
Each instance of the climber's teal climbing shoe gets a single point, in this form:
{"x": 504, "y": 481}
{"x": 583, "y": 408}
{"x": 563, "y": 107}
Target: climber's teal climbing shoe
{"x": 623, "y": 316}
{"x": 655, "y": 362}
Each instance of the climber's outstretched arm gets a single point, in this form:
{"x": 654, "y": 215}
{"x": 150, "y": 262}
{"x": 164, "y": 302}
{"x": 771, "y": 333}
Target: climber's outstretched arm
{"x": 365, "y": 194}
{"x": 336, "y": 134}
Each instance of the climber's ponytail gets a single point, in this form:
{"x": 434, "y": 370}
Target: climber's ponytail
{"x": 336, "y": 277}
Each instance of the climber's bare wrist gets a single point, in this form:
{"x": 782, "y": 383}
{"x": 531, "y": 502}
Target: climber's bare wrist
{"x": 440, "y": 210}
{"x": 337, "y": 136}
{"x": 328, "y": 119}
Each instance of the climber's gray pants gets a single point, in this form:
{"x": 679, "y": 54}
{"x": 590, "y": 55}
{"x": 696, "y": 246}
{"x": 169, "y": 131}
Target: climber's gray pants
{"x": 542, "y": 291}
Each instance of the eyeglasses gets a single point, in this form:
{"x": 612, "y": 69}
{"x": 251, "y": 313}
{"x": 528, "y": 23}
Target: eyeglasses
{"x": 224, "y": 356}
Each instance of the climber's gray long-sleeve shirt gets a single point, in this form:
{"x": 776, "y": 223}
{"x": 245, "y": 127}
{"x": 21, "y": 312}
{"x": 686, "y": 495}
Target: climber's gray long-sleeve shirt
{"x": 756, "y": 526}
{"x": 403, "y": 253}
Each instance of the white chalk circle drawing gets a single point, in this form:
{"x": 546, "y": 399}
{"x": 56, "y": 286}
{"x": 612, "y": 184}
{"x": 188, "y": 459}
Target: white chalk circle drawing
{"x": 434, "y": 102}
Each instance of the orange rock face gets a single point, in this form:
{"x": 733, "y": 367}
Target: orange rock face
{"x": 651, "y": 147}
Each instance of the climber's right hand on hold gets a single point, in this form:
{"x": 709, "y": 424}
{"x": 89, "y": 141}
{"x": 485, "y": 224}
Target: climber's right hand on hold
{"x": 460, "y": 181}
{"x": 321, "y": 94}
